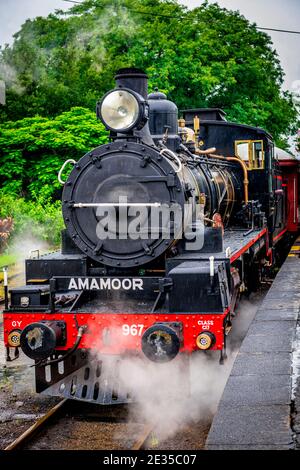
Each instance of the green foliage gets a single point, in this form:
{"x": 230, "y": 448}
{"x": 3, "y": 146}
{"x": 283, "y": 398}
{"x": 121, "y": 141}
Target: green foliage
{"x": 7, "y": 259}
{"x": 33, "y": 219}
{"x": 33, "y": 150}
{"x": 207, "y": 56}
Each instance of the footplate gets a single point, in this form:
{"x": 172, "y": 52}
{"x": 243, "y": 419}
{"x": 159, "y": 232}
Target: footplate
{"x": 96, "y": 381}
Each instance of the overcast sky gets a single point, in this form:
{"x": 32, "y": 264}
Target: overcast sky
{"x": 282, "y": 14}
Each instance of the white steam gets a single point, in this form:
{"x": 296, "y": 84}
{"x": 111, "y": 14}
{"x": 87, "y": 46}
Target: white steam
{"x": 187, "y": 390}
{"x": 175, "y": 394}
{"x": 25, "y": 246}
{"x": 10, "y": 77}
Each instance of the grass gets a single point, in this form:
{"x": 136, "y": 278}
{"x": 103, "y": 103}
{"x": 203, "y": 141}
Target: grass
{"x": 7, "y": 260}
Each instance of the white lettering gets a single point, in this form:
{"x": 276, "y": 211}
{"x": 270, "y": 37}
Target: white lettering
{"x": 133, "y": 330}
{"x": 105, "y": 283}
{"x": 137, "y": 284}
{"x": 94, "y": 284}
{"x": 116, "y": 284}
{"x": 83, "y": 283}
{"x": 72, "y": 284}
{"x": 126, "y": 284}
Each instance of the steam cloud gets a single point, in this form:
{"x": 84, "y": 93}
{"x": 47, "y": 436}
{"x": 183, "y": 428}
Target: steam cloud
{"x": 186, "y": 390}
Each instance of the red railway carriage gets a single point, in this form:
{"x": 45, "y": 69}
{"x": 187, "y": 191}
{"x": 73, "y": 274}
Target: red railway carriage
{"x": 289, "y": 167}
{"x": 166, "y": 225}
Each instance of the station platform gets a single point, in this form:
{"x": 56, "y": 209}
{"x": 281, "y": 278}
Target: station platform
{"x": 260, "y": 405}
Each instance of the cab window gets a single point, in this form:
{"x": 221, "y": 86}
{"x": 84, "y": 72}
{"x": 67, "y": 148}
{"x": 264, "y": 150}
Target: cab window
{"x": 251, "y": 152}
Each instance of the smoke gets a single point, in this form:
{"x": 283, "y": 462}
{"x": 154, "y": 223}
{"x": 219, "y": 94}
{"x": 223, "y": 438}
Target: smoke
{"x": 172, "y": 395}
{"x": 88, "y": 42}
{"x": 9, "y": 75}
{"x": 25, "y": 245}
{"x": 244, "y": 315}
{"x": 186, "y": 390}
{"x": 94, "y": 36}
{"x": 176, "y": 394}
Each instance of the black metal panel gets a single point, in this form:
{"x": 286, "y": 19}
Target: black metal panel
{"x": 55, "y": 264}
{"x": 68, "y": 247}
{"x": 195, "y": 291}
{"x": 204, "y": 114}
{"x": 30, "y": 297}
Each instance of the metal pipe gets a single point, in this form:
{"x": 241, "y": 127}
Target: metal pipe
{"x": 212, "y": 266}
{"x": 5, "y": 283}
{"x": 245, "y": 171}
{"x": 117, "y": 204}
{"x": 205, "y": 152}
{"x": 81, "y": 331}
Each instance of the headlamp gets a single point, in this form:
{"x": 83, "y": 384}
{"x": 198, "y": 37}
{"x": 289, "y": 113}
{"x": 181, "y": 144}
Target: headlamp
{"x": 121, "y": 110}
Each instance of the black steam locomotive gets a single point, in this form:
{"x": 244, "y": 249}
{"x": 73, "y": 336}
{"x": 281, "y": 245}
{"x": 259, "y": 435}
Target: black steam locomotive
{"x": 165, "y": 226}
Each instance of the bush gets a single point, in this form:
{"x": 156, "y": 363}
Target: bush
{"x": 33, "y": 150}
{"x": 33, "y": 219}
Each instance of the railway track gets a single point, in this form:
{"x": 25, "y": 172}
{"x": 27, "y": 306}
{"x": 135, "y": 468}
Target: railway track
{"x": 31, "y": 435}
{"x": 40, "y": 424}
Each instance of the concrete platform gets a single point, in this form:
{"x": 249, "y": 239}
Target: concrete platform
{"x": 258, "y": 408}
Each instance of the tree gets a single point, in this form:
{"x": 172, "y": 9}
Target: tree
{"x": 207, "y": 56}
{"x": 33, "y": 150}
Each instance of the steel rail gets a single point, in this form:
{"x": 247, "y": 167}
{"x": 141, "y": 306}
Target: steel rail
{"x": 142, "y": 439}
{"x": 37, "y": 426}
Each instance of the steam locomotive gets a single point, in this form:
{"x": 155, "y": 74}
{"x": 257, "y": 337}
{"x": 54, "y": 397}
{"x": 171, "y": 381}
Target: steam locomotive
{"x": 166, "y": 226}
